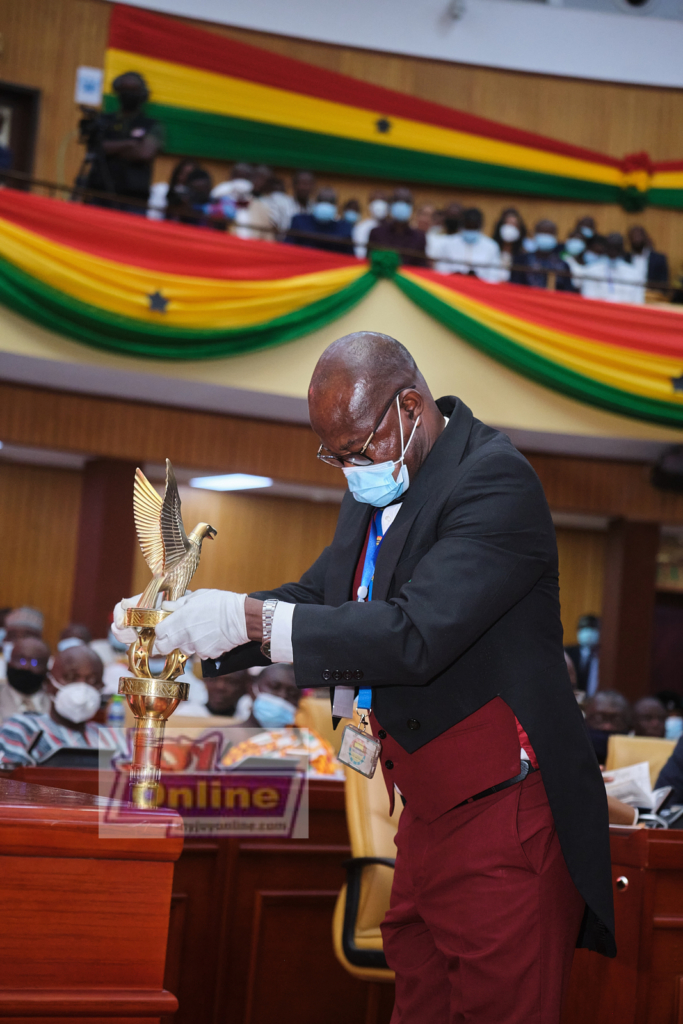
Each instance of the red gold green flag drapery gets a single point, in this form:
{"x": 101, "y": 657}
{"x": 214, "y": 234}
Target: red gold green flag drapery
{"x": 172, "y": 292}
{"x": 219, "y": 98}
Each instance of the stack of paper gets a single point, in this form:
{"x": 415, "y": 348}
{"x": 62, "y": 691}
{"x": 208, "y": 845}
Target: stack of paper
{"x": 632, "y": 786}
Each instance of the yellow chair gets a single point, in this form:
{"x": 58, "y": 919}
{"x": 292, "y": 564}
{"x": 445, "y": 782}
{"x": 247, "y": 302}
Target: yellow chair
{"x": 364, "y": 900}
{"x": 625, "y": 750}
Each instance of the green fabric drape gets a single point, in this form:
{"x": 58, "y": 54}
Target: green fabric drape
{"x": 114, "y": 333}
{"x": 537, "y": 368}
{"x": 218, "y": 137}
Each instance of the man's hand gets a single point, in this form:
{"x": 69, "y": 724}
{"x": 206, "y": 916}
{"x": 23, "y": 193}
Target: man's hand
{"x": 207, "y": 623}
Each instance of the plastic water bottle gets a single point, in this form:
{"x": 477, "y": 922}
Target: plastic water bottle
{"x": 116, "y": 712}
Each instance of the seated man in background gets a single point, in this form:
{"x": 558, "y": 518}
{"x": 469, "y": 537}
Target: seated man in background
{"x": 322, "y": 221}
{"x": 225, "y": 692}
{"x": 19, "y": 624}
{"x": 607, "y": 713}
{"x": 649, "y": 717}
{"x": 653, "y": 266}
{"x": 396, "y": 232}
{"x": 73, "y": 635}
{"x": 467, "y": 251}
{"x": 26, "y": 673}
{"x": 276, "y": 699}
{"x": 74, "y": 687}
{"x": 545, "y": 258}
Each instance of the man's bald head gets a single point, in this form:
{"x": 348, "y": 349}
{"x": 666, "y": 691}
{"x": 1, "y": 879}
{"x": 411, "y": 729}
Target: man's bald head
{"x": 364, "y": 368}
{"x": 355, "y": 378}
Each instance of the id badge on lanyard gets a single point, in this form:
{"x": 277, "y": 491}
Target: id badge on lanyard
{"x": 359, "y": 749}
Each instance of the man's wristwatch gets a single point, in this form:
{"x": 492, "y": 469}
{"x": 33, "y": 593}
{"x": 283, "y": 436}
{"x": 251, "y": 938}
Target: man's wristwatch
{"x": 267, "y": 612}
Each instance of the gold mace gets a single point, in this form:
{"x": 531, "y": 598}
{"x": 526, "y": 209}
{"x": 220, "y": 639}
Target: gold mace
{"x": 173, "y": 558}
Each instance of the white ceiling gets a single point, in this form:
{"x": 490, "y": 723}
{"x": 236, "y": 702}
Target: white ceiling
{"x": 598, "y": 39}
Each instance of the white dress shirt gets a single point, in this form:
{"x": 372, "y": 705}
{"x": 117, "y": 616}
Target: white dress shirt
{"x": 609, "y": 280}
{"x": 453, "y": 255}
{"x": 361, "y": 234}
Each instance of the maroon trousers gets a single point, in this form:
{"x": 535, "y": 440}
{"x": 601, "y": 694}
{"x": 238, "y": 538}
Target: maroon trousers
{"x": 484, "y": 916}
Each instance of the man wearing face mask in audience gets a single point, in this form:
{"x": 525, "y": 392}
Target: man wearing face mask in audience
{"x": 469, "y": 251}
{"x": 396, "y": 232}
{"x": 74, "y": 688}
{"x": 322, "y": 221}
{"x": 20, "y": 623}
{"x": 606, "y": 274}
{"x": 23, "y": 692}
{"x": 378, "y": 209}
{"x": 545, "y": 257}
{"x": 585, "y": 654}
{"x": 276, "y": 699}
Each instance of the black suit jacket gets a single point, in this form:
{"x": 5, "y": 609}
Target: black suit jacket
{"x": 658, "y": 268}
{"x": 465, "y": 608}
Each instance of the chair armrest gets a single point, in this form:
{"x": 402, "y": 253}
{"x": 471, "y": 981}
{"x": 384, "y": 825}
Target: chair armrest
{"x": 356, "y": 956}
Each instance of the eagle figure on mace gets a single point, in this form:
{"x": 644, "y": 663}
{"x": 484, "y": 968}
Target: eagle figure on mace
{"x": 173, "y": 558}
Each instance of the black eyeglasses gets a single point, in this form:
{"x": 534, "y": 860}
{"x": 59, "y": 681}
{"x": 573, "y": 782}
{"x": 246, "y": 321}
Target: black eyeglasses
{"x": 359, "y": 458}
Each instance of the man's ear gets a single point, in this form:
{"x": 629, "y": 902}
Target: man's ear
{"x": 413, "y": 404}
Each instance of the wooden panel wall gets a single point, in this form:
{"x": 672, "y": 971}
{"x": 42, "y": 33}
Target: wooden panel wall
{"x": 582, "y": 568}
{"x": 129, "y": 430}
{"x": 261, "y": 543}
{"x": 39, "y": 524}
{"x": 45, "y": 40}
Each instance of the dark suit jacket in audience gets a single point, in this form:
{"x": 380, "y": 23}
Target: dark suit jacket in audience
{"x": 539, "y": 263}
{"x": 341, "y": 229}
{"x": 389, "y": 235}
{"x": 672, "y": 774}
{"x": 658, "y": 268}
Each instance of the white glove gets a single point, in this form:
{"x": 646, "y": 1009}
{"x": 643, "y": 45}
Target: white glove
{"x": 125, "y": 634}
{"x": 207, "y": 623}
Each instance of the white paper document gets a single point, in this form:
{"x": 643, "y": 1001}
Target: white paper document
{"x": 632, "y": 786}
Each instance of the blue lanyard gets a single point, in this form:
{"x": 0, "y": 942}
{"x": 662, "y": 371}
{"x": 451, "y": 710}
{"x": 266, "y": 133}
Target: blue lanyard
{"x": 375, "y": 539}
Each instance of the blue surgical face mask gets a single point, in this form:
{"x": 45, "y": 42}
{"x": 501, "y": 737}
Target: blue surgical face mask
{"x": 379, "y": 208}
{"x": 470, "y": 236}
{"x": 575, "y": 246}
{"x": 351, "y": 215}
{"x": 400, "y": 210}
{"x": 592, "y": 257}
{"x": 673, "y": 727}
{"x": 529, "y": 245}
{"x": 587, "y": 232}
{"x": 545, "y": 241}
{"x": 588, "y": 636}
{"x": 324, "y": 212}
{"x": 273, "y": 712}
{"x": 375, "y": 485}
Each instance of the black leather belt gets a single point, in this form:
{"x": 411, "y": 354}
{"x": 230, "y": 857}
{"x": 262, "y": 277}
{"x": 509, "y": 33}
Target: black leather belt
{"x": 527, "y": 769}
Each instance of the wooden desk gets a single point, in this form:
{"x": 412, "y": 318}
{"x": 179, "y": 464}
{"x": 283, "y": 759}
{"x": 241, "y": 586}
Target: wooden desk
{"x": 84, "y": 918}
{"x": 250, "y": 938}
{"x": 644, "y": 984}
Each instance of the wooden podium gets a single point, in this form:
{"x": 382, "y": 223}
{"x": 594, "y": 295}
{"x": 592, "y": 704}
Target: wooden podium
{"x": 644, "y": 983}
{"x": 84, "y": 918}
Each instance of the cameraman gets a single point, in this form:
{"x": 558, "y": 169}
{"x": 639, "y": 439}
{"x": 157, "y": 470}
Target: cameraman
{"x": 122, "y": 148}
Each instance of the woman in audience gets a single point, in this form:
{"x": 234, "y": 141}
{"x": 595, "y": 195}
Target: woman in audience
{"x": 74, "y": 686}
{"x": 509, "y": 234}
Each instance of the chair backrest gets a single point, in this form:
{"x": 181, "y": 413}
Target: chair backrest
{"x": 371, "y": 830}
{"x": 625, "y": 750}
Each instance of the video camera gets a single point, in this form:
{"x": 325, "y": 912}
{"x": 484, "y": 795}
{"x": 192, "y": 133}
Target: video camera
{"x": 91, "y": 126}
